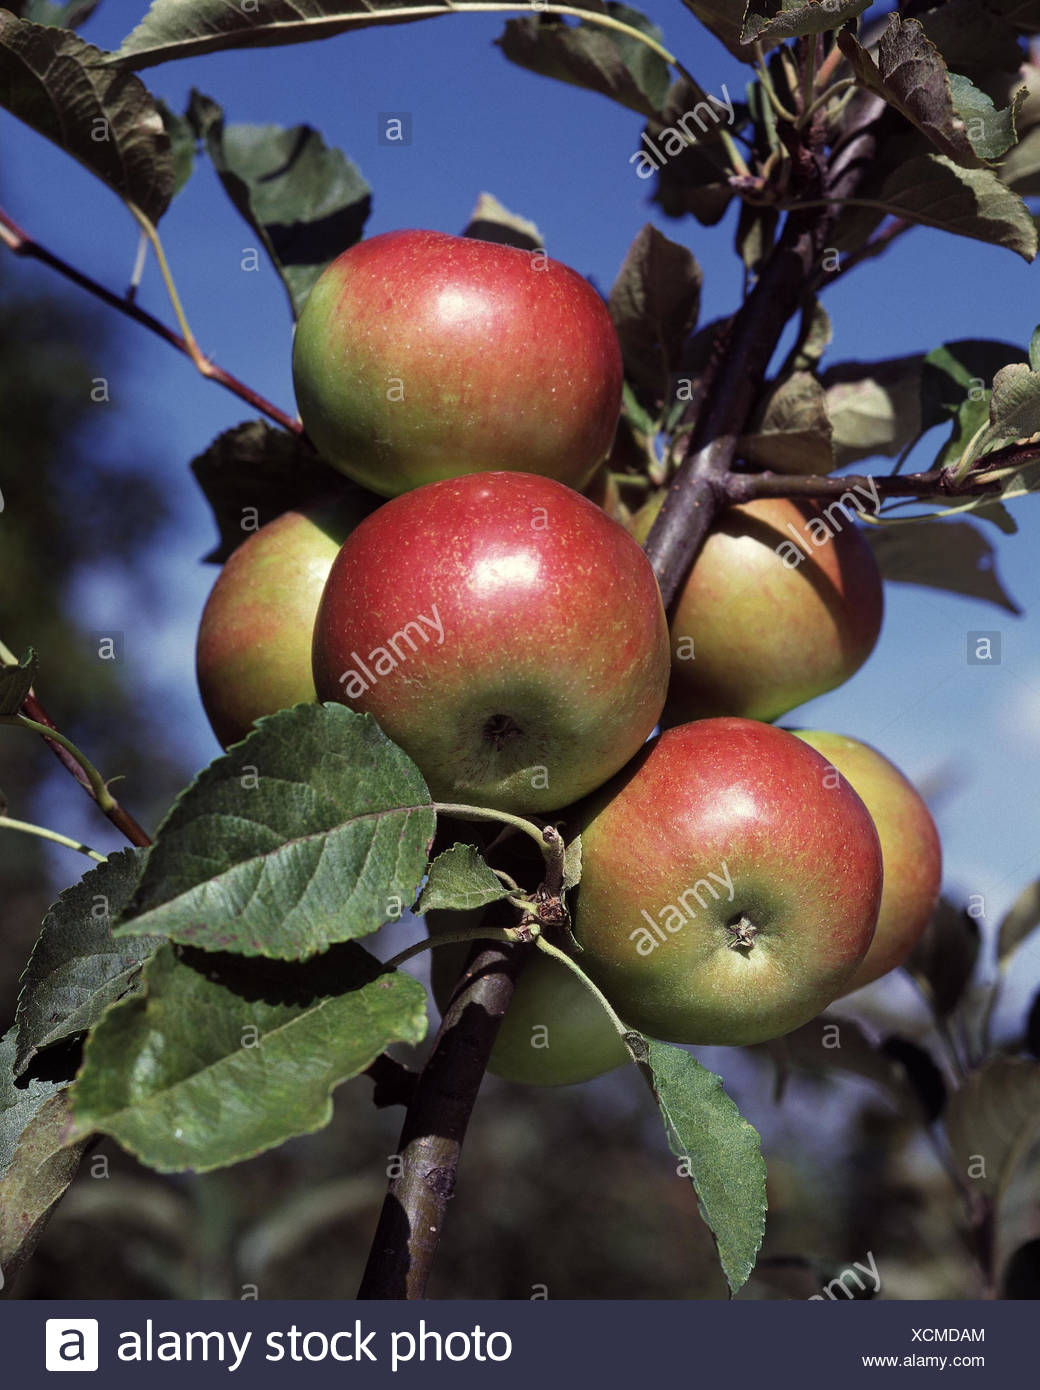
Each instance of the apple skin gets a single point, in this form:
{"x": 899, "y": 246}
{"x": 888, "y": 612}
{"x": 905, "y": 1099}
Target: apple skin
{"x": 541, "y": 663}
{"x": 910, "y": 848}
{"x": 766, "y": 637}
{"x": 531, "y": 637}
{"x": 554, "y": 1033}
{"x": 421, "y": 356}
{"x": 748, "y": 803}
{"x": 253, "y": 654}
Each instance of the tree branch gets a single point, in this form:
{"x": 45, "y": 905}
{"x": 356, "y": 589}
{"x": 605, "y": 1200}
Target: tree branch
{"x": 23, "y": 245}
{"x": 413, "y": 1212}
{"x": 698, "y": 490}
{"x": 738, "y": 488}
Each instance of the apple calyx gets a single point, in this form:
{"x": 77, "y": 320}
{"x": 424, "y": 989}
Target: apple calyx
{"x": 743, "y": 931}
{"x": 500, "y": 730}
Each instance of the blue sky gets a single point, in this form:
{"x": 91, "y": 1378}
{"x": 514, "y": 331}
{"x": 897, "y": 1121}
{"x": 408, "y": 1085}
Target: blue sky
{"x": 560, "y": 157}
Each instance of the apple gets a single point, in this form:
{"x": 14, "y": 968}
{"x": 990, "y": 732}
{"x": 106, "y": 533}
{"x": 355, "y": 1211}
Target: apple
{"x": 421, "y": 356}
{"x": 730, "y": 884}
{"x": 504, "y": 632}
{"x": 253, "y": 655}
{"x": 554, "y": 1032}
{"x": 783, "y": 603}
{"x": 910, "y": 849}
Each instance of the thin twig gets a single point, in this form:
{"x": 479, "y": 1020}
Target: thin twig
{"x": 24, "y": 245}
{"x": 44, "y": 833}
{"x": 117, "y": 814}
{"x": 874, "y": 247}
{"x": 936, "y": 483}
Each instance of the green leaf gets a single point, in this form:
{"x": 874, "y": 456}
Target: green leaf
{"x": 108, "y": 120}
{"x": 992, "y": 131}
{"x": 307, "y": 203}
{"x": 1020, "y": 921}
{"x": 654, "y": 303}
{"x": 791, "y": 432}
{"x": 68, "y": 16}
{"x": 181, "y": 135}
{"x": 589, "y": 56}
{"x": 18, "y": 1102}
{"x": 36, "y": 1178}
{"x": 814, "y": 337}
{"x": 77, "y": 969}
{"x": 1020, "y": 169}
{"x": 950, "y": 555}
{"x": 16, "y": 682}
{"x": 460, "y": 880}
{"x": 971, "y": 417}
{"x": 771, "y": 21}
{"x": 183, "y": 28}
{"x": 1034, "y": 350}
{"x": 931, "y": 189}
{"x": 959, "y": 371}
{"x": 909, "y": 72}
{"x": 306, "y": 833}
{"x": 681, "y": 145}
{"x": 222, "y": 1057}
{"x": 490, "y": 221}
{"x": 874, "y": 407}
{"x": 572, "y": 864}
{"x": 971, "y": 38}
{"x": 992, "y": 1122}
{"x": 253, "y": 473}
{"x": 943, "y": 961}
{"x": 1014, "y": 407}
{"x": 756, "y": 235}
{"x": 721, "y": 1152}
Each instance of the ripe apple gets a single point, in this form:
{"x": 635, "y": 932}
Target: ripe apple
{"x": 554, "y": 1033}
{"x": 504, "y": 632}
{"x": 421, "y": 356}
{"x": 783, "y": 603}
{"x": 254, "y": 646}
{"x": 727, "y": 893}
{"x": 910, "y": 849}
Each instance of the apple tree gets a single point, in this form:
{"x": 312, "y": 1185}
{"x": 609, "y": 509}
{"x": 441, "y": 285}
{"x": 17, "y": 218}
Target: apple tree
{"x": 515, "y": 530}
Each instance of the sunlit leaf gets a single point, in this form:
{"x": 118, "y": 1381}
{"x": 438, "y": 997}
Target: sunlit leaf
{"x": 108, "y": 120}
{"x": 314, "y": 829}
{"x": 223, "y": 1057}
{"x": 719, "y": 1151}
{"x": 460, "y": 879}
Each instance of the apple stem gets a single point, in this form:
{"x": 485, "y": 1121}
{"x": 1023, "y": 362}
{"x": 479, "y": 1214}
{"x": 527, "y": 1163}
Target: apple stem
{"x": 511, "y": 935}
{"x": 481, "y": 813}
{"x": 626, "y": 1034}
